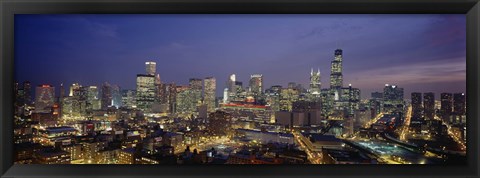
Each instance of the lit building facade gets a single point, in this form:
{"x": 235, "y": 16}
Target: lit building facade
{"x": 209, "y": 93}
{"x": 151, "y": 68}
{"x": 145, "y": 95}
{"x": 315, "y": 84}
{"x": 336, "y": 76}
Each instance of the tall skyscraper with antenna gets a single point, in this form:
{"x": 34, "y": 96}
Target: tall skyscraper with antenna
{"x": 336, "y": 76}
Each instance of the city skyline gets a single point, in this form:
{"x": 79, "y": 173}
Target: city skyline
{"x": 85, "y": 110}
{"x": 302, "y": 35}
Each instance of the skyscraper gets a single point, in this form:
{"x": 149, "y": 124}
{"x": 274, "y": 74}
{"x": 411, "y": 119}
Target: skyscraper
{"x": 195, "y": 83}
{"x": 459, "y": 104}
{"x": 27, "y": 92}
{"x": 256, "y": 84}
{"x": 209, "y": 96}
{"x": 429, "y": 105}
{"x": 106, "y": 95}
{"x": 116, "y": 96}
{"x": 336, "y": 76}
{"x": 392, "y": 99}
{"x": 73, "y": 87}
{"x": 315, "y": 84}
{"x": 446, "y": 105}
{"x": 128, "y": 98}
{"x": 92, "y": 98}
{"x": 417, "y": 108}
{"x": 151, "y": 68}
{"x": 231, "y": 83}
{"x": 225, "y": 95}
{"x": 44, "y": 98}
{"x": 145, "y": 91}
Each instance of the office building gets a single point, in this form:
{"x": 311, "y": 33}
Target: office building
{"x": 336, "y": 76}
{"x": 417, "y": 108}
{"x": 145, "y": 92}
{"x": 315, "y": 84}
{"x": 209, "y": 94}
{"x": 429, "y": 105}
{"x": 151, "y": 68}
{"x": 44, "y": 98}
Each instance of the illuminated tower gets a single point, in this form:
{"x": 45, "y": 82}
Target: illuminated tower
{"x": 209, "y": 96}
{"x": 256, "y": 82}
{"x": 231, "y": 83}
{"x": 225, "y": 95}
{"x": 44, "y": 98}
{"x": 145, "y": 91}
{"x": 151, "y": 68}
{"x": 315, "y": 84}
{"x": 74, "y": 88}
{"x": 336, "y": 76}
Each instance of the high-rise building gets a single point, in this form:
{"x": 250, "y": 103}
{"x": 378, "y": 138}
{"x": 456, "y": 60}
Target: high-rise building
{"x": 73, "y": 87}
{"x": 459, "y": 104}
{"x": 392, "y": 99}
{"x": 231, "y": 83}
{"x": 273, "y": 97}
{"x": 196, "y": 85}
{"x": 256, "y": 84}
{"x": 315, "y": 84}
{"x": 417, "y": 108}
{"x": 106, "y": 95}
{"x": 116, "y": 96}
{"x": 287, "y": 97}
{"x": 336, "y": 76}
{"x": 128, "y": 98}
{"x": 429, "y": 105}
{"x": 44, "y": 98}
{"x": 350, "y": 96}
{"x": 446, "y": 105}
{"x": 151, "y": 68}
{"x": 209, "y": 97}
{"x": 92, "y": 98}
{"x": 225, "y": 95}
{"x": 27, "y": 92}
{"x": 185, "y": 103}
{"x": 145, "y": 91}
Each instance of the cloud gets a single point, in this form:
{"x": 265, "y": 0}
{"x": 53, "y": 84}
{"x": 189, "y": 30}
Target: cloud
{"x": 450, "y": 70}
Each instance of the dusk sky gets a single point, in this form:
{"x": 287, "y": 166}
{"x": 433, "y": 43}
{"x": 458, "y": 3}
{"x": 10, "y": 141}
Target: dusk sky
{"x": 420, "y": 53}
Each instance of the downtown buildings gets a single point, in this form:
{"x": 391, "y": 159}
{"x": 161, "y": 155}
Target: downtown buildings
{"x": 160, "y": 122}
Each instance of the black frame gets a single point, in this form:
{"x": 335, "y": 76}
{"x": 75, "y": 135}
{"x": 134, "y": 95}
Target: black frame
{"x": 10, "y": 7}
